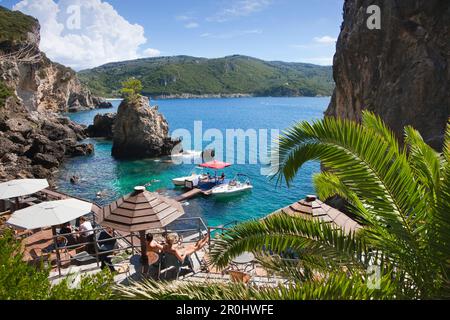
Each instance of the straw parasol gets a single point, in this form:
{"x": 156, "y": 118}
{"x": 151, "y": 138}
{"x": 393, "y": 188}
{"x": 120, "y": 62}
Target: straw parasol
{"x": 311, "y": 207}
{"x": 140, "y": 211}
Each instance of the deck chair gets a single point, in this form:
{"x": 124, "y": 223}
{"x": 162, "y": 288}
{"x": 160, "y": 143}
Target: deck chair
{"x": 172, "y": 267}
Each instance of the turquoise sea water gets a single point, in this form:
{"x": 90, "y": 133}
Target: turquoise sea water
{"x": 101, "y": 172}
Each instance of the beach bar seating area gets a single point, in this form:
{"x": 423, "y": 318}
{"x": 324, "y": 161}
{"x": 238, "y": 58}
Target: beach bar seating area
{"x": 52, "y": 228}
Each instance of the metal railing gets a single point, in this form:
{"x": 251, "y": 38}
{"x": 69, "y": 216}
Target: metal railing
{"x": 127, "y": 238}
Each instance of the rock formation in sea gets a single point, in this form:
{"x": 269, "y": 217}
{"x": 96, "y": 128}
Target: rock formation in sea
{"x": 34, "y": 137}
{"x": 103, "y": 126}
{"x": 402, "y": 71}
{"x": 140, "y": 131}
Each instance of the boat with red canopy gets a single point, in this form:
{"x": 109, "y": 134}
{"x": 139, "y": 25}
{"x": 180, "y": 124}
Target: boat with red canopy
{"x": 215, "y": 165}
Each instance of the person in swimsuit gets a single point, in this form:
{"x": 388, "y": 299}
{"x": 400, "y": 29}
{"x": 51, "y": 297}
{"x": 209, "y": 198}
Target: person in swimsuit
{"x": 182, "y": 254}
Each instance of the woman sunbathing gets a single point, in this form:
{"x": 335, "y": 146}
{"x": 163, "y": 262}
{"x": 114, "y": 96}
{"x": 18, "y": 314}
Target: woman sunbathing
{"x": 181, "y": 254}
{"x": 152, "y": 244}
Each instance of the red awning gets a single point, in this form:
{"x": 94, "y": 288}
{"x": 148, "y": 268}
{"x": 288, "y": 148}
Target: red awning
{"x": 217, "y": 165}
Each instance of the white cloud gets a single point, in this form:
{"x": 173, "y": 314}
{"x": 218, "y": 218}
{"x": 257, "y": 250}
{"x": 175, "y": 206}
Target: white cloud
{"x": 152, "y": 52}
{"x": 325, "y": 40}
{"x": 240, "y": 8}
{"x": 191, "y": 25}
{"x": 183, "y": 18}
{"x": 84, "y": 33}
{"x": 230, "y": 35}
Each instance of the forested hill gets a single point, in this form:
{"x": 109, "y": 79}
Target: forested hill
{"x": 184, "y": 75}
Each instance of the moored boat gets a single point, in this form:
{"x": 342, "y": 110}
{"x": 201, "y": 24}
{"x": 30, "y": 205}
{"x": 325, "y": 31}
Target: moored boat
{"x": 197, "y": 174}
{"x": 236, "y": 186}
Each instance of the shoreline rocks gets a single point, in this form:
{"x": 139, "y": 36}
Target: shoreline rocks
{"x": 34, "y": 138}
{"x": 36, "y": 145}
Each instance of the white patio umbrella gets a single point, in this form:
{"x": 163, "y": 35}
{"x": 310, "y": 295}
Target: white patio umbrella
{"x": 21, "y": 187}
{"x": 49, "y": 214}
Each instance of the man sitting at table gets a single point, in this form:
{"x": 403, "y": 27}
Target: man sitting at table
{"x": 67, "y": 232}
{"x": 87, "y": 234}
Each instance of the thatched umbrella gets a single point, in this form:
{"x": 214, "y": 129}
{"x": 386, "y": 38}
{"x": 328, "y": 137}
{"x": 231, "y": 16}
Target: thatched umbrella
{"x": 311, "y": 207}
{"x": 138, "y": 212}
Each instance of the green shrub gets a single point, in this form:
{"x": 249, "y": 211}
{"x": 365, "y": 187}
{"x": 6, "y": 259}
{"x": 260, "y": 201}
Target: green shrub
{"x": 21, "y": 281}
{"x": 131, "y": 89}
{"x": 15, "y": 25}
{"x": 5, "y": 93}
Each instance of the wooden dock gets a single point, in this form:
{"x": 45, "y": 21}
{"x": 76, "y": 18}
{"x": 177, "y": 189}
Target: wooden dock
{"x": 190, "y": 194}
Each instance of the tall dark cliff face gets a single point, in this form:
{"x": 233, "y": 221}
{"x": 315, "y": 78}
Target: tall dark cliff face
{"x": 402, "y": 71}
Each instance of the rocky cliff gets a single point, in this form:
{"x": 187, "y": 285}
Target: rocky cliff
{"x": 401, "y": 71}
{"x": 140, "y": 131}
{"x": 34, "y": 137}
{"x": 39, "y": 84}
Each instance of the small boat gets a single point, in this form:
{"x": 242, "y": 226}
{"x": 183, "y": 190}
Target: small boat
{"x": 191, "y": 154}
{"x": 236, "y": 186}
{"x": 195, "y": 175}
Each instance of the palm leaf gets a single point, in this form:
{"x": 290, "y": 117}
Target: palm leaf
{"x": 280, "y": 233}
{"x": 335, "y": 287}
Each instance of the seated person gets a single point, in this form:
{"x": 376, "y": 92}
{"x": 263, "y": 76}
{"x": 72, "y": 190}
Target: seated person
{"x": 60, "y": 244}
{"x": 87, "y": 234}
{"x": 182, "y": 254}
{"x": 152, "y": 244}
{"x": 222, "y": 177}
{"x": 106, "y": 242}
{"x": 66, "y": 231}
{"x": 233, "y": 183}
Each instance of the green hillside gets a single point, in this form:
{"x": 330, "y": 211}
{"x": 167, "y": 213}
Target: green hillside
{"x": 15, "y": 25}
{"x": 198, "y": 76}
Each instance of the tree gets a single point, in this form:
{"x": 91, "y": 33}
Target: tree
{"x": 131, "y": 89}
{"x": 400, "y": 194}
{"x": 21, "y": 281}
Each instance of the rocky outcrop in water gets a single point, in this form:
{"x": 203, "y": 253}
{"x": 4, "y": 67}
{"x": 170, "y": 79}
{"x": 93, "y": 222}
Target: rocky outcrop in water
{"x": 140, "y": 131}
{"x": 103, "y": 126}
{"x": 401, "y": 72}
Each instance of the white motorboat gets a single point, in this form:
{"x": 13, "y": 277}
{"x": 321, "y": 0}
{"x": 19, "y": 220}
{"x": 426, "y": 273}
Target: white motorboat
{"x": 190, "y": 154}
{"x": 235, "y": 186}
{"x": 193, "y": 177}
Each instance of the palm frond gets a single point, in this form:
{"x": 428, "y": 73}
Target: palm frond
{"x": 379, "y": 175}
{"x": 335, "y": 287}
{"x": 425, "y": 162}
{"x": 375, "y": 123}
{"x": 446, "y": 147}
{"x": 280, "y": 233}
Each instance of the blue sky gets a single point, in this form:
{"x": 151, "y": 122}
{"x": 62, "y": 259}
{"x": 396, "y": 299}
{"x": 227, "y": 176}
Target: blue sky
{"x": 288, "y": 30}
